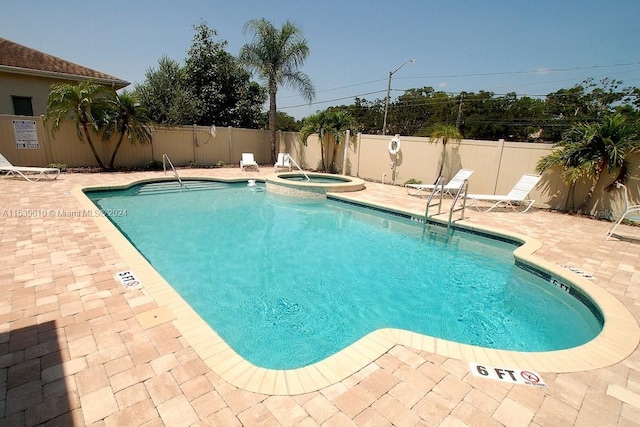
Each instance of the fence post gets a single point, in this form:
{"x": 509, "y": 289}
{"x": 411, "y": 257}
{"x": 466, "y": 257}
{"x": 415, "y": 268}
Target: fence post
{"x": 497, "y": 178}
{"x": 359, "y": 148}
{"x": 45, "y": 141}
{"x": 230, "y": 129}
{"x": 347, "y": 137}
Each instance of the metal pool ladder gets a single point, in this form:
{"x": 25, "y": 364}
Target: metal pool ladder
{"x": 461, "y": 194}
{"x": 438, "y": 185}
{"x": 166, "y": 159}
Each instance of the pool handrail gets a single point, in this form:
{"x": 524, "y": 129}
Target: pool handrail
{"x": 175, "y": 172}
{"x": 299, "y": 168}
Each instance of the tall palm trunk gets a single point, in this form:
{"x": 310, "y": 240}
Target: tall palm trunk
{"x": 272, "y": 120}
{"x": 115, "y": 151}
{"x": 592, "y": 189}
{"x": 93, "y": 149}
{"x": 444, "y": 157}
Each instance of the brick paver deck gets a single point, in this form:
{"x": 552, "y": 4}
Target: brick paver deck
{"x": 77, "y": 349}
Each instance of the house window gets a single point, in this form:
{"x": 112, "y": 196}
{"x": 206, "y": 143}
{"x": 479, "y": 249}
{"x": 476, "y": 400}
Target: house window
{"x": 22, "y": 106}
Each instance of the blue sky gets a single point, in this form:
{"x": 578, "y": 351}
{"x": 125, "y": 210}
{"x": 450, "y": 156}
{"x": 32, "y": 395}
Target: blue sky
{"x": 528, "y": 47}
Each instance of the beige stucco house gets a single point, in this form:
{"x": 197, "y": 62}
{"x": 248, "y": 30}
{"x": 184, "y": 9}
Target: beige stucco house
{"x": 27, "y": 74}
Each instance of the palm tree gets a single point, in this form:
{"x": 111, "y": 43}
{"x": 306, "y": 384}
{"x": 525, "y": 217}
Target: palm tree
{"x": 588, "y": 149}
{"x": 84, "y": 103}
{"x": 339, "y": 123}
{"x": 444, "y": 133}
{"x": 126, "y": 117}
{"x": 315, "y": 123}
{"x": 275, "y": 55}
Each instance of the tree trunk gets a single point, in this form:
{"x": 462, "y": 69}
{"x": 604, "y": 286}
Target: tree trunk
{"x": 272, "y": 122}
{"x": 444, "y": 156}
{"x": 93, "y": 149}
{"x": 592, "y": 189}
{"x": 115, "y": 151}
{"x": 334, "y": 154}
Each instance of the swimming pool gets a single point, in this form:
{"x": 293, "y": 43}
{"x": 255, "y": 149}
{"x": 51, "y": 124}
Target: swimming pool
{"x": 306, "y": 296}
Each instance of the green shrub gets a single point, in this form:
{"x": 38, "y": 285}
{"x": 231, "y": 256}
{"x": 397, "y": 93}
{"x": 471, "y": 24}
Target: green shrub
{"x": 412, "y": 181}
{"x": 155, "y": 165}
{"x": 61, "y": 166}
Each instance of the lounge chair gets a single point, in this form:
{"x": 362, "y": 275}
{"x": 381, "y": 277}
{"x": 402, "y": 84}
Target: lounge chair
{"x": 31, "y": 174}
{"x": 628, "y": 210}
{"x": 517, "y": 195}
{"x": 284, "y": 161}
{"x": 450, "y": 187}
{"x": 248, "y": 161}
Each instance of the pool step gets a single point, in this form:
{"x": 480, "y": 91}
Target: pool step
{"x": 174, "y": 186}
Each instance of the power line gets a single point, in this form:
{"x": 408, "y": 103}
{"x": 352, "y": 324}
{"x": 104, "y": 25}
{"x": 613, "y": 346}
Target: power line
{"x": 539, "y": 71}
{"x": 332, "y": 100}
{"x": 549, "y": 70}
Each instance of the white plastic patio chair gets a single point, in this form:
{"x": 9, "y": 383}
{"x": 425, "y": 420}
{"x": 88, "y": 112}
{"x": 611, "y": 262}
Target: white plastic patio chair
{"x": 284, "y": 162}
{"x": 627, "y": 213}
{"x": 450, "y": 187}
{"x": 248, "y": 161}
{"x": 31, "y": 174}
{"x": 517, "y": 195}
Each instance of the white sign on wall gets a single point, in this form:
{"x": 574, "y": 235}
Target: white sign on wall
{"x": 26, "y": 134}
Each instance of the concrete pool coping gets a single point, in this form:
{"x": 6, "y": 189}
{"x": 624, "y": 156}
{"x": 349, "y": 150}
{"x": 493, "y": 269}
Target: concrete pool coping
{"x": 618, "y": 339}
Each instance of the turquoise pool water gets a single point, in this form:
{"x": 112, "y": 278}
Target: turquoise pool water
{"x": 288, "y": 282}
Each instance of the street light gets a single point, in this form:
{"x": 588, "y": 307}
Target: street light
{"x": 386, "y": 103}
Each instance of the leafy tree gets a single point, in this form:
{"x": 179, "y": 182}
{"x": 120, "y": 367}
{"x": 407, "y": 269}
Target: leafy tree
{"x": 276, "y": 55}
{"x": 583, "y": 103}
{"x": 85, "y": 103}
{"x": 485, "y": 115}
{"x": 284, "y": 122}
{"x": 419, "y": 109}
{"x": 588, "y": 149}
{"x": 444, "y": 133}
{"x": 367, "y": 115}
{"x": 166, "y": 94}
{"x": 126, "y": 117}
{"x": 223, "y": 88}
{"x": 483, "y": 118}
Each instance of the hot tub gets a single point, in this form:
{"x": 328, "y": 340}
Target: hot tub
{"x": 296, "y": 184}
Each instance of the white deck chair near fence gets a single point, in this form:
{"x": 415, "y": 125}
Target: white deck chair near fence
{"x": 31, "y": 174}
{"x": 630, "y": 213}
{"x": 284, "y": 162}
{"x": 248, "y": 161}
{"x": 517, "y": 195}
{"x": 450, "y": 187}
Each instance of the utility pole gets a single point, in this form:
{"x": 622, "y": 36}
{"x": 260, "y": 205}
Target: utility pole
{"x": 386, "y": 103}
{"x": 459, "y": 112}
